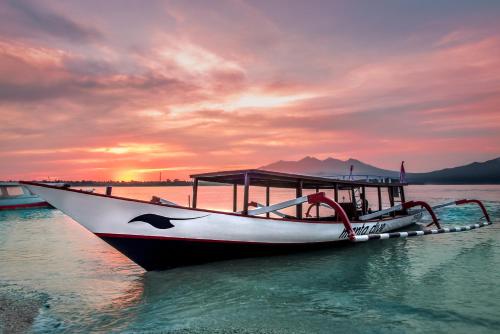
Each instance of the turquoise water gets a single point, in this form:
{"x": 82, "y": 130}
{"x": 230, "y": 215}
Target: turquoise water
{"x": 437, "y": 283}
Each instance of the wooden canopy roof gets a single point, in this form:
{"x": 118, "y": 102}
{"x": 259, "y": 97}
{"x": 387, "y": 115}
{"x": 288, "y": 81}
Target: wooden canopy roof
{"x": 264, "y": 178}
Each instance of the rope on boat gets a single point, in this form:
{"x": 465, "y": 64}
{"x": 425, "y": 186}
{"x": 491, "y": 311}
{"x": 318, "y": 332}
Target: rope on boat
{"x": 367, "y": 237}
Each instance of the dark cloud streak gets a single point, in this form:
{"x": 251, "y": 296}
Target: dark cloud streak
{"x": 26, "y": 18}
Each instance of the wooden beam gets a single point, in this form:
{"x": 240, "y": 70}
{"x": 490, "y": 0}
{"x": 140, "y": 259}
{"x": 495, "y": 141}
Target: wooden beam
{"x": 195, "y": 193}
{"x": 299, "y": 194}
{"x": 245, "y": 193}
{"x": 379, "y": 193}
{"x": 268, "y": 199}
{"x": 235, "y": 197}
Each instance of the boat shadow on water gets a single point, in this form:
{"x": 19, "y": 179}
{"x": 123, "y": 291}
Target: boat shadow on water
{"x": 268, "y": 286}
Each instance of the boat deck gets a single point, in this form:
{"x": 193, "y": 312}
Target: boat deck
{"x": 355, "y": 208}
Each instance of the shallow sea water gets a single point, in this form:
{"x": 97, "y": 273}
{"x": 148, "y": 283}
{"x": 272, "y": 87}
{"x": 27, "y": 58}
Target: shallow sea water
{"x": 437, "y": 283}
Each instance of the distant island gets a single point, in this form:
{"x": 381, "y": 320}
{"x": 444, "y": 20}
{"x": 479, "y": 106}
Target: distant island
{"x": 89, "y": 183}
{"x": 487, "y": 172}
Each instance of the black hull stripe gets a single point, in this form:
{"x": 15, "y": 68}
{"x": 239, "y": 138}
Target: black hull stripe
{"x": 161, "y": 254}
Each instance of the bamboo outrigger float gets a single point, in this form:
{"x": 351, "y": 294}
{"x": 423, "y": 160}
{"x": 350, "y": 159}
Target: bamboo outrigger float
{"x": 160, "y": 234}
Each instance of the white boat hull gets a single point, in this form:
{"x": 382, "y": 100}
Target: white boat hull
{"x": 158, "y": 236}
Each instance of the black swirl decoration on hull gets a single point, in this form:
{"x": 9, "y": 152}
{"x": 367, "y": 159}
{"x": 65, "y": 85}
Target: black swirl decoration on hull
{"x": 160, "y": 222}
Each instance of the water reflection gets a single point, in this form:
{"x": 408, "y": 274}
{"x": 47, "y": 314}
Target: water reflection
{"x": 44, "y": 250}
{"x": 436, "y": 283}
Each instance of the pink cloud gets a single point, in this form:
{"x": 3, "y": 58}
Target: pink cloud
{"x": 206, "y": 96}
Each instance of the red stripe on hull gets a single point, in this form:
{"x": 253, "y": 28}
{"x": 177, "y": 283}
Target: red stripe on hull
{"x": 25, "y": 206}
{"x": 154, "y": 237}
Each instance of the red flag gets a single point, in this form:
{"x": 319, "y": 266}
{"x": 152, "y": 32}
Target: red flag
{"x": 402, "y": 173}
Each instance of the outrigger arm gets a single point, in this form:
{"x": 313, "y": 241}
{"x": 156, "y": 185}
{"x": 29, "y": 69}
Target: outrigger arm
{"x": 367, "y": 237}
{"x": 321, "y": 199}
{"x": 424, "y": 205}
{"x": 410, "y": 204}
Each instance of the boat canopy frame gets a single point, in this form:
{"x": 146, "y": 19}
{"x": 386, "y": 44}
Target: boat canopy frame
{"x": 271, "y": 179}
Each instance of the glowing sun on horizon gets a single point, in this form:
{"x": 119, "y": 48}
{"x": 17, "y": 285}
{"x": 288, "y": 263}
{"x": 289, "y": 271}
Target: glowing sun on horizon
{"x": 125, "y": 175}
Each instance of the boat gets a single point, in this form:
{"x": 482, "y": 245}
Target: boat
{"x": 14, "y": 196}
{"x": 160, "y": 234}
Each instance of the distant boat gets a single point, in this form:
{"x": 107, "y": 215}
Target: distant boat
{"x": 160, "y": 234}
{"x": 15, "y": 196}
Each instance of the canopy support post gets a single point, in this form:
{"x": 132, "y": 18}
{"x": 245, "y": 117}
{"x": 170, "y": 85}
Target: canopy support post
{"x": 353, "y": 195}
{"x": 299, "y": 194}
{"x": 268, "y": 199}
{"x": 403, "y": 200}
{"x": 317, "y": 205}
{"x": 363, "y": 200}
{"x": 336, "y": 193}
{"x": 379, "y": 193}
{"x": 245, "y": 194}
{"x": 391, "y": 199}
{"x": 235, "y": 197}
{"x": 195, "y": 193}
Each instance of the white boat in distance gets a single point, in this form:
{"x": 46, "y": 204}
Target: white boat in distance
{"x": 160, "y": 234}
{"x": 14, "y": 196}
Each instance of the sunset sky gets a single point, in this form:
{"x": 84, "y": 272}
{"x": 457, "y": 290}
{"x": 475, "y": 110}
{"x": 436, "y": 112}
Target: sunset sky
{"x": 125, "y": 89}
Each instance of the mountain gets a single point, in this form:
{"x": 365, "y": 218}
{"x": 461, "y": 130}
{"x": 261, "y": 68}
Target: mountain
{"x": 487, "y": 172}
{"x": 330, "y": 166}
